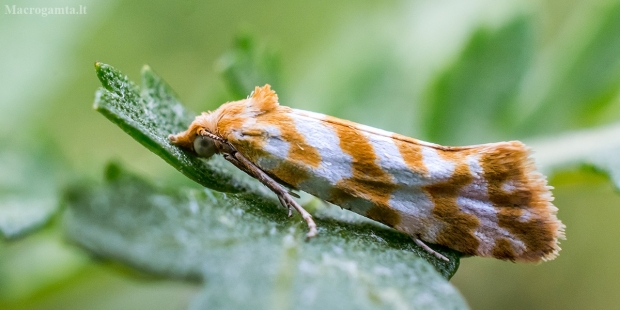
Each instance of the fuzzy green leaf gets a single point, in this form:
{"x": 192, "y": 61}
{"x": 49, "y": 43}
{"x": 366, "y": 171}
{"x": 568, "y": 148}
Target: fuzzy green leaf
{"x": 248, "y": 253}
{"x": 190, "y": 229}
{"x": 154, "y": 113}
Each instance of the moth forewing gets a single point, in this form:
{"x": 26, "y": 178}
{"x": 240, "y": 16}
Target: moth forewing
{"x": 485, "y": 200}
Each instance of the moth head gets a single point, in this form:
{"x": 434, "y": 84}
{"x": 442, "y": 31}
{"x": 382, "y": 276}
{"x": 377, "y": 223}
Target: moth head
{"x": 204, "y": 146}
{"x": 197, "y": 139}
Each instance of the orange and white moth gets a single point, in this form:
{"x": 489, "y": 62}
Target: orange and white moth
{"x": 486, "y": 200}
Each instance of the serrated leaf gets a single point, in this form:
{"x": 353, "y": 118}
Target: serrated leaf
{"x": 150, "y": 117}
{"x": 123, "y": 230}
{"x": 249, "y": 254}
{"x": 470, "y": 99}
{"x": 154, "y": 113}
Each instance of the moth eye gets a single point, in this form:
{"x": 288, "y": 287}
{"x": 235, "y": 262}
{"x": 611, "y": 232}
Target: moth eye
{"x": 204, "y": 146}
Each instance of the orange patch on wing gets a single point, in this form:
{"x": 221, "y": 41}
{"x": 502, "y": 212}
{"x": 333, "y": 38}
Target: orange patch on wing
{"x": 412, "y": 155}
{"x": 299, "y": 149}
{"x": 458, "y": 232}
{"x": 338, "y": 196}
{"x": 507, "y": 163}
{"x": 291, "y": 173}
{"x": 385, "y": 215}
{"x": 456, "y": 156}
{"x": 503, "y": 250}
{"x": 368, "y": 181}
{"x": 272, "y": 114}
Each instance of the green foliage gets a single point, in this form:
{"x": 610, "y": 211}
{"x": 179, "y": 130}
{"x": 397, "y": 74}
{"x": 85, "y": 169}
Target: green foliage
{"x": 247, "y": 65}
{"x": 596, "y": 149}
{"x": 530, "y": 73}
{"x": 480, "y": 86}
{"x": 28, "y": 188}
{"x": 587, "y": 82}
{"x": 245, "y": 249}
{"x": 208, "y": 235}
{"x": 153, "y": 114}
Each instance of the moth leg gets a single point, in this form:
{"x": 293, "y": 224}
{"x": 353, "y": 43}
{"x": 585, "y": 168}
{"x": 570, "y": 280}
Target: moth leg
{"x": 284, "y": 204}
{"x": 253, "y": 171}
{"x": 290, "y": 210}
{"x": 285, "y": 198}
{"x": 428, "y": 249}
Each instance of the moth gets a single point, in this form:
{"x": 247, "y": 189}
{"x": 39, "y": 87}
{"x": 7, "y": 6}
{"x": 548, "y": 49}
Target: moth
{"x": 486, "y": 200}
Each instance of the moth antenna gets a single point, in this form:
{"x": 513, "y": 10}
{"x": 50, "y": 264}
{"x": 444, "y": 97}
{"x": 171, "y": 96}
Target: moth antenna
{"x": 203, "y": 132}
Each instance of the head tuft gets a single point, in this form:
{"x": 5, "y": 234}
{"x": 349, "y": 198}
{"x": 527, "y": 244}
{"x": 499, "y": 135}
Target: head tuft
{"x": 264, "y": 98}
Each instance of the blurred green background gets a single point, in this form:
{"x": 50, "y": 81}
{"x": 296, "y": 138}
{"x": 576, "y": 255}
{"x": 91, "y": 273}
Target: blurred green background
{"x": 451, "y": 72}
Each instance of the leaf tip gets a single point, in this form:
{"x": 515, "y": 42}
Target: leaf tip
{"x": 103, "y": 73}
